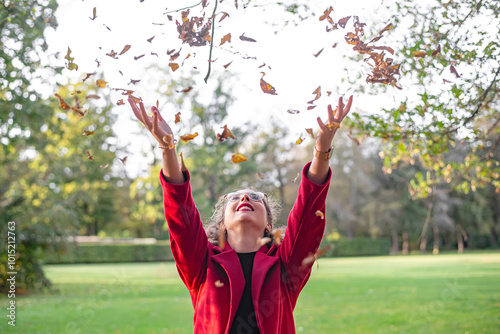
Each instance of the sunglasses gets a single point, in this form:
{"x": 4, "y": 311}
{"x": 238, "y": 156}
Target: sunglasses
{"x": 237, "y": 196}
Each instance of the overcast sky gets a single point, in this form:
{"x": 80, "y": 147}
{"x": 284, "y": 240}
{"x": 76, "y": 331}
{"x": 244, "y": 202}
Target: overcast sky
{"x": 288, "y": 52}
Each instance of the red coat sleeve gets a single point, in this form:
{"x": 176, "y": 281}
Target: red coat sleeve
{"x": 304, "y": 230}
{"x": 188, "y": 240}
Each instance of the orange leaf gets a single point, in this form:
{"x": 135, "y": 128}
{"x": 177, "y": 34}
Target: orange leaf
{"x": 189, "y": 137}
{"x": 62, "y": 103}
{"x": 238, "y": 157}
{"x": 310, "y": 131}
{"x": 125, "y": 49}
{"x": 185, "y": 90}
{"x": 311, "y": 107}
{"x": 300, "y": 140}
{"x": 93, "y": 96}
{"x": 227, "y": 65}
{"x": 277, "y": 236}
{"x": 89, "y": 155}
{"x": 343, "y": 22}
{"x": 267, "y": 88}
{"x": 120, "y": 102}
{"x": 225, "y": 39}
{"x": 386, "y": 28}
{"x": 263, "y": 241}
{"x": 177, "y": 117}
{"x": 224, "y": 15}
{"x": 87, "y": 133}
{"x": 320, "y": 214}
{"x": 173, "y": 66}
{"x": 419, "y": 54}
{"x": 101, "y": 83}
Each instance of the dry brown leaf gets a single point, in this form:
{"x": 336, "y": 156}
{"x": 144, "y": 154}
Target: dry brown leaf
{"x": 438, "y": 50}
{"x": 277, "y": 236}
{"x": 300, "y": 140}
{"x": 124, "y": 160}
{"x": 247, "y": 39}
{"x": 101, "y": 83}
{"x": 89, "y": 155}
{"x": 87, "y": 133}
{"x": 419, "y": 54}
{"x": 320, "y": 214}
{"x": 266, "y": 87}
{"x": 150, "y": 39}
{"x": 296, "y": 178}
{"x": 218, "y": 284}
{"x": 94, "y": 14}
{"x": 293, "y": 111}
{"x": 310, "y": 131}
{"x": 93, "y": 96}
{"x": 263, "y": 241}
{"x": 227, "y": 65}
{"x": 318, "y": 53}
{"x": 177, "y": 117}
{"x": 226, "y": 38}
{"x": 173, "y": 66}
{"x": 62, "y": 104}
{"x": 125, "y": 49}
{"x": 454, "y": 71}
{"x": 311, "y": 107}
{"x": 226, "y": 133}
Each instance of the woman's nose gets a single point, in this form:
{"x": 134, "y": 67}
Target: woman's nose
{"x": 245, "y": 198}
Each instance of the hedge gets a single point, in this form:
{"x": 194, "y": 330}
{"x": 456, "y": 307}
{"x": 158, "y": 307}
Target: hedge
{"x": 104, "y": 253}
{"x": 357, "y": 247}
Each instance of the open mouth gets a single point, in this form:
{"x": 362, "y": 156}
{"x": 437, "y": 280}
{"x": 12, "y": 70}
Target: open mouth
{"x": 244, "y": 207}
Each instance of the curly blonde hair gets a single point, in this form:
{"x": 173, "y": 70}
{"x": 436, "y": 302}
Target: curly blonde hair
{"x": 273, "y": 209}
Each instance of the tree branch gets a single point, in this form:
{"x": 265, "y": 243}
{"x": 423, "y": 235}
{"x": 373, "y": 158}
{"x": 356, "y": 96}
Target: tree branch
{"x": 211, "y": 44}
{"x": 176, "y": 10}
{"x": 467, "y": 120}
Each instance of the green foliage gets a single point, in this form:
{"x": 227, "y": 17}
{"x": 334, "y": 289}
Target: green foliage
{"x": 100, "y": 253}
{"x": 450, "y": 127}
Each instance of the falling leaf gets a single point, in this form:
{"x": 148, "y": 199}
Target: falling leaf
{"x": 238, "y": 157}
{"x": 293, "y": 111}
{"x": 101, "y": 83}
{"x": 79, "y": 111}
{"x": 227, "y": 65}
{"x": 328, "y": 93}
{"x": 226, "y": 38}
{"x": 186, "y": 90}
{"x": 88, "y": 75}
{"x": 112, "y": 54}
{"x": 150, "y": 39}
{"x": 98, "y": 62}
{"x": 62, "y": 103}
{"x": 124, "y": 160}
{"x": 219, "y": 284}
{"x": 226, "y": 133}
{"x": 93, "y": 96}
{"x": 320, "y": 214}
{"x": 173, "y": 66}
{"x": 170, "y": 141}
{"x": 310, "y": 258}
{"x": 311, "y": 107}
{"x": 342, "y": 22}
{"x": 87, "y": 133}
{"x": 107, "y": 27}
{"x": 120, "y": 72}
{"x": 317, "y": 91}
{"x": 263, "y": 241}
{"x": 277, "y": 236}
{"x": 247, "y": 39}
{"x": 334, "y": 45}
{"x": 260, "y": 175}
{"x": 152, "y": 53}
{"x": 89, "y": 155}
{"x": 104, "y": 166}
{"x": 133, "y": 82}
{"x": 419, "y": 54}
{"x": 318, "y": 53}
{"x": 157, "y": 104}
{"x": 174, "y": 56}
{"x": 224, "y": 15}
{"x": 310, "y": 131}
{"x": 188, "y": 137}
{"x": 125, "y": 49}
{"x": 454, "y": 71}
{"x": 300, "y": 140}
{"x": 177, "y": 117}
{"x": 183, "y": 165}
{"x": 120, "y": 102}
{"x": 94, "y": 12}
{"x": 438, "y": 50}
{"x": 267, "y": 88}
{"x": 296, "y": 178}
{"x": 445, "y": 81}
{"x": 139, "y": 57}
{"x": 386, "y": 28}
{"x": 263, "y": 64}
{"x": 70, "y": 65}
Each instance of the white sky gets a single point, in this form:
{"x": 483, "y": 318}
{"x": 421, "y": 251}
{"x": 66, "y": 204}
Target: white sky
{"x": 295, "y": 72}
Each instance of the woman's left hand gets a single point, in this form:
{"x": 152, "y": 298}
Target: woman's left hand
{"x": 327, "y": 131}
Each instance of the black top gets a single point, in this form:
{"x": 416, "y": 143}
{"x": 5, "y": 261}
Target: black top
{"x": 244, "y": 321}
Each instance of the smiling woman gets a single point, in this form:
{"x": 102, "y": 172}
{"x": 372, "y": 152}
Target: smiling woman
{"x": 244, "y": 283}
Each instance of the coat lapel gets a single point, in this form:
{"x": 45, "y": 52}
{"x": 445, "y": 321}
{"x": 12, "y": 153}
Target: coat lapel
{"x": 261, "y": 265}
{"x": 228, "y": 260}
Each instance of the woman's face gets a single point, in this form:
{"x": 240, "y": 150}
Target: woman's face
{"x": 245, "y": 207}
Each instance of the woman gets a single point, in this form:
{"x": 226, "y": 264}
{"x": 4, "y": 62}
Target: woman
{"x": 244, "y": 284}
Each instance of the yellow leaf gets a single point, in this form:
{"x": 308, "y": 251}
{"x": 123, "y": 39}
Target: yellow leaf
{"x": 101, "y": 83}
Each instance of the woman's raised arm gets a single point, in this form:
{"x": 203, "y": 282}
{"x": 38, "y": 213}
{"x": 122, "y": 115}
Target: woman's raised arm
{"x": 160, "y": 129}
{"x": 318, "y": 171}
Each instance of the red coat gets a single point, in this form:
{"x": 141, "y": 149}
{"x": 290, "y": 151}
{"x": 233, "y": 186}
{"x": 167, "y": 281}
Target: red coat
{"x": 214, "y": 276}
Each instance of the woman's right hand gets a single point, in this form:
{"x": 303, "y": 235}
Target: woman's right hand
{"x": 156, "y": 124}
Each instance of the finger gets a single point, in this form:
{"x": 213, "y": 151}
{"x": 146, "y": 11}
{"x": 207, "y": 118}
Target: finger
{"x": 331, "y": 115}
{"x": 322, "y": 125}
{"x": 136, "y": 110}
{"x": 347, "y": 108}
{"x": 160, "y": 118}
{"x": 155, "y": 121}
{"x": 147, "y": 120}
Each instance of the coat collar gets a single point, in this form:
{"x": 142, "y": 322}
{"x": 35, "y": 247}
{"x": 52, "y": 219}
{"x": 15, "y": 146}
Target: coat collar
{"x": 229, "y": 261}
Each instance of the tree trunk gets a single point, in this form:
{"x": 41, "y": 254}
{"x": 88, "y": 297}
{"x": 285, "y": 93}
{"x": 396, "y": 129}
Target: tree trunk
{"x": 435, "y": 249}
{"x": 395, "y": 242}
{"x": 423, "y": 244}
{"x": 406, "y": 244}
{"x": 460, "y": 241}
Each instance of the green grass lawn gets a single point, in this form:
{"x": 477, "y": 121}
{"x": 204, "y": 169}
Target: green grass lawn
{"x": 414, "y": 294}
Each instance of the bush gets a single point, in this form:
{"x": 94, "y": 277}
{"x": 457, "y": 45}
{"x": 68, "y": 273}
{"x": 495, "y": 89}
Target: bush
{"x": 357, "y": 247}
{"x": 103, "y": 253}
